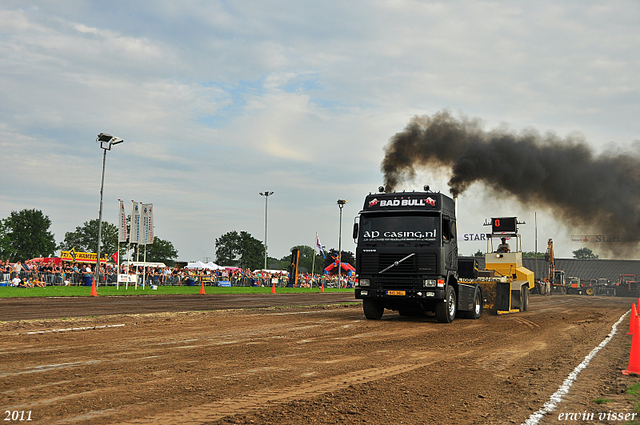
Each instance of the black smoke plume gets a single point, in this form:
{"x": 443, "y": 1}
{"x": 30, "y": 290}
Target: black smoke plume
{"x": 599, "y": 194}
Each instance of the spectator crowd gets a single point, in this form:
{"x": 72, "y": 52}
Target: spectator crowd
{"x": 34, "y": 273}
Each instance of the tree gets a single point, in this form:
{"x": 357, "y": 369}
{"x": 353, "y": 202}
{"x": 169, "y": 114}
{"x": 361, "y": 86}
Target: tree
{"x": 531, "y": 254}
{"x": 585, "y": 254}
{"x": 159, "y": 251}
{"x": 5, "y": 246}
{"x": 239, "y": 250}
{"x": 25, "y": 234}
{"x": 305, "y": 261}
{"x": 85, "y": 238}
{"x": 479, "y": 253}
{"x": 275, "y": 264}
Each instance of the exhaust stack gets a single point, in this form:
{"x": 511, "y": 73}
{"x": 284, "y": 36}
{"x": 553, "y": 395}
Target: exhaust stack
{"x": 455, "y": 207}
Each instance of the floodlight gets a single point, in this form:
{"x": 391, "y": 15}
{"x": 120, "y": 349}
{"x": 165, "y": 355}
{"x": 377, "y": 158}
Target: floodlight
{"x": 104, "y": 137}
{"x": 266, "y": 195}
{"x": 106, "y": 140}
{"x": 341, "y": 203}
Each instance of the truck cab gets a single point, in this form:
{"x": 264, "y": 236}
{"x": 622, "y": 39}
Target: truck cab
{"x": 407, "y": 256}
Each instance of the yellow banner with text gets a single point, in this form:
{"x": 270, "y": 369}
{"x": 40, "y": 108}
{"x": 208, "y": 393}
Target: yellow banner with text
{"x": 81, "y": 257}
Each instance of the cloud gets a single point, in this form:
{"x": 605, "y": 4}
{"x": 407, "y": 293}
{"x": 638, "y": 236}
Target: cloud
{"x": 217, "y": 101}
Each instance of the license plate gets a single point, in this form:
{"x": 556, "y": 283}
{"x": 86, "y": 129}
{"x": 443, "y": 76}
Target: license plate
{"x": 399, "y": 293}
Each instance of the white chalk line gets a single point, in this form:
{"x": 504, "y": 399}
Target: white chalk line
{"x": 86, "y": 328}
{"x": 556, "y": 397}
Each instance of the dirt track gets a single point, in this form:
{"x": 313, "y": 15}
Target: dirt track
{"x": 52, "y": 308}
{"x": 295, "y": 365}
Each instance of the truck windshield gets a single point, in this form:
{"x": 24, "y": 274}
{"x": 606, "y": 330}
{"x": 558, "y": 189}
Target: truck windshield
{"x": 399, "y": 228}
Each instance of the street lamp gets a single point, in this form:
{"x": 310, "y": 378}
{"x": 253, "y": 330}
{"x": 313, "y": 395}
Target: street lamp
{"x": 266, "y": 195}
{"x": 341, "y": 203}
{"x": 106, "y": 141}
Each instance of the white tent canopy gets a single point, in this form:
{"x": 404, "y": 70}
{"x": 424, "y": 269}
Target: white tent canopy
{"x": 200, "y": 265}
{"x": 143, "y": 264}
{"x": 196, "y": 265}
{"x": 213, "y": 266}
{"x": 285, "y": 272}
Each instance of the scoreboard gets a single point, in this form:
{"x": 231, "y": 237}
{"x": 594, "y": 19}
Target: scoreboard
{"x": 504, "y": 225}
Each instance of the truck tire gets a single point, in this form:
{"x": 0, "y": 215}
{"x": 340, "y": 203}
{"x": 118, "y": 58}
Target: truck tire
{"x": 524, "y": 294}
{"x": 446, "y": 309}
{"x": 477, "y": 307}
{"x": 373, "y": 309}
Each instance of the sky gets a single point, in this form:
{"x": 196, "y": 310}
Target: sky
{"x": 218, "y": 101}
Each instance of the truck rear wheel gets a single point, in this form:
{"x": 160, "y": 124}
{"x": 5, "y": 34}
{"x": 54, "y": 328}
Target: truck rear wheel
{"x": 524, "y": 294}
{"x": 373, "y": 309}
{"x": 446, "y": 309}
{"x": 477, "y": 307}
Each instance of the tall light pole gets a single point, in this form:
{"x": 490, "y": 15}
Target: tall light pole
{"x": 341, "y": 203}
{"x": 106, "y": 141}
{"x": 266, "y": 195}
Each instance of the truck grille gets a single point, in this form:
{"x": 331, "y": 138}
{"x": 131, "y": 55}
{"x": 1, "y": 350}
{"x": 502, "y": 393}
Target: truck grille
{"x": 372, "y": 262}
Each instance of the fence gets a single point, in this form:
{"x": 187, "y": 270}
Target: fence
{"x": 109, "y": 278}
{"x": 214, "y": 280}
{"x": 58, "y": 278}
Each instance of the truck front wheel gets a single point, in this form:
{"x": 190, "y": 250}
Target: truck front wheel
{"x": 446, "y": 309}
{"x": 373, "y": 309}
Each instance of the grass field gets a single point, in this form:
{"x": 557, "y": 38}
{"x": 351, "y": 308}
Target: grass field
{"x": 85, "y": 291}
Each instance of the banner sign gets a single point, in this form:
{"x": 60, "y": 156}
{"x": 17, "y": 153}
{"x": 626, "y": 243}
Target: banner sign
{"x": 122, "y": 222}
{"x": 134, "y": 235}
{"x": 409, "y": 228}
{"x": 402, "y": 201}
{"x": 474, "y": 237}
{"x": 595, "y": 238}
{"x": 81, "y": 257}
{"x": 127, "y": 278}
{"x": 147, "y": 223}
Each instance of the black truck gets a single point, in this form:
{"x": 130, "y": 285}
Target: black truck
{"x": 407, "y": 260}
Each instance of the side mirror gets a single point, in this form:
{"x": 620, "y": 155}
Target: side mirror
{"x": 355, "y": 231}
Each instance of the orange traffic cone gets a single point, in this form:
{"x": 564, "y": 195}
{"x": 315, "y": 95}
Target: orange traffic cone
{"x": 632, "y": 323}
{"x": 273, "y": 288}
{"x": 634, "y": 357}
{"x": 202, "y": 288}
{"x": 322, "y": 287}
{"x": 94, "y": 292}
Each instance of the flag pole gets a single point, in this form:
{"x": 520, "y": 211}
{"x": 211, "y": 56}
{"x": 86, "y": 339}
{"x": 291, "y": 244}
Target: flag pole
{"x": 138, "y": 246}
{"x": 313, "y": 263}
{"x": 129, "y": 247}
{"x": 118, "y": 268}
{"x": 118, "y": 249}
{"x": 144, "y": 269}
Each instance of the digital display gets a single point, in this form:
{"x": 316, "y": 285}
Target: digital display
{"x": 504, "y": 225}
